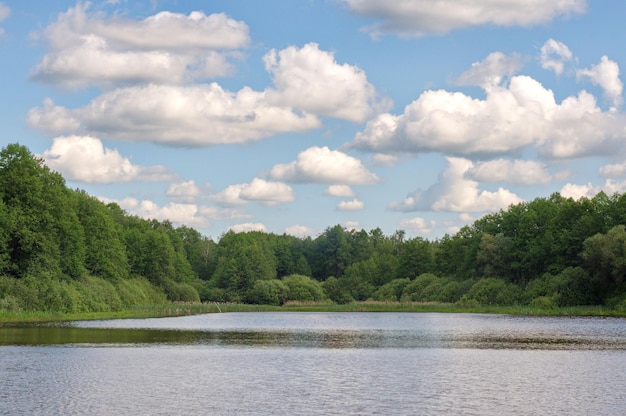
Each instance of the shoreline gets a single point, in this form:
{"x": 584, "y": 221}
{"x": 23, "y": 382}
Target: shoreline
{"x": 184, "y": 309}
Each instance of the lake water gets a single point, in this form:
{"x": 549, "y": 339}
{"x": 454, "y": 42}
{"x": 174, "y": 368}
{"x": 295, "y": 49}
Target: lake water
{"x": 317, "y": 364}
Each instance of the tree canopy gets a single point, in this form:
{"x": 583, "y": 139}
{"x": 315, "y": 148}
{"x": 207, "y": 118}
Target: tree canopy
{"x": 64, "y": 250}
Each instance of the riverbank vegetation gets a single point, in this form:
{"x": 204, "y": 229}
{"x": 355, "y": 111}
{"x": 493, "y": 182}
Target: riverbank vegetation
{"x": 64, "y": 251}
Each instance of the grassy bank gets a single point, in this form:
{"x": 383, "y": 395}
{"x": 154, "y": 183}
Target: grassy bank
{"x": 181, "y": 309}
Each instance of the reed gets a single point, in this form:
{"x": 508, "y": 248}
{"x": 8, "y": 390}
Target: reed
{"x": 187, "y": 308}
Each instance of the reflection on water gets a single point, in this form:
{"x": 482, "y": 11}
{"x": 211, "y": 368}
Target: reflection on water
{"x": 307, "y": 330}
{"x": 315, "y": 363}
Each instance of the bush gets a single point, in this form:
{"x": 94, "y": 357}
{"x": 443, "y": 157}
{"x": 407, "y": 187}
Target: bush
{"x": 414, "y": 291}
{"x": 571, "y": 287}
{"x": 391, "y": 291}
{"x": 303, "y": 288}
{"x": 267, "y": 292}
{"x": 336, "y": 292}
{"x": 492, "y": 291}
{"x": 467, "y": 302}
{"x": 450, "y": 292}
{"x": 544, "y": 302}
{"x": 180, "y": 292}
{"x": 139, "y": 291}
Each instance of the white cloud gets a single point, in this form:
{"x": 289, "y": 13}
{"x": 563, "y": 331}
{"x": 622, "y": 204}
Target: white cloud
{"x": 353, "y": 205}
{"x": 186, "y": 191}
{"x": 413, "y": 18}
{"x": 606, "y": 75}
{"x": 5, "y": 12}
{"x": 199, "y": 115}
{"x": 453, "y": 192}
{"x": 179, "y": 214}
{"x": 610, "y": 187}
{"x": 418, "y": 224}
{"x": 322, "y": 165}
{"x": 85, "y": 159}
{"x": 259, "y": 190}
{"x": 524, "y": 172}
{"x": 307, "y": 82}
{"x": 248, "y": 227}
{"x": 553, "y": 56}
{"x": 491, "y": 71}
{"x": 93, "y": 49}
{"x": 352, "y": 225}
{"x": 339, "y": 190}
{"x": 510, "y": 118}
{"x": 576, "y": 192}
{"x": 614, "y": 170}
{"x": 192, "y": 215}
{"x": 300, "y": 231}
{"x": 381, "y": 159}
{"x": 310, "y": 79}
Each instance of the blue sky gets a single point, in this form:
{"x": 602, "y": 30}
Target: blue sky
{"x": 292, "y": 116}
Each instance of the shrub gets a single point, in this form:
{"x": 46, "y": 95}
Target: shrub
{"x": 544, "y": 302}
{"x": 336, "y": 292}
{"x": 414, "y": 291}
{"x": 391, "y": 291}
{"x": 492, "y": 291}
{"x": 303, "y": 288}
{"x": 267, "y": 292}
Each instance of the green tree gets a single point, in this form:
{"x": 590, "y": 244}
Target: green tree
{"x": 105, "y": 250}
{"x": 605, "y": 260}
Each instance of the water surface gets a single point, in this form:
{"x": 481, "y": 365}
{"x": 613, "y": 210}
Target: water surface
{"x": 317, "y": 363}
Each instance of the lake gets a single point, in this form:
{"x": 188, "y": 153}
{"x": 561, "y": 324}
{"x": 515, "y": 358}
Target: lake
{"x": 284, "y": 363}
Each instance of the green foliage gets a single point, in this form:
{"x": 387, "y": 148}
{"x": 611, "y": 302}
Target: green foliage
{"x": 492, "y": 291}
{"x": 336, "y": 291}
{"x": 544, "y": 302}
{"x": 605, "y": 259}
{"x": 303, "y": 289}
{"x": 571, "y": 287}
{"x": 415, "y": 291}
{"x": 63, "y": 250}
{"x": 268, "y": 292}
{"x": 391, "y": 291}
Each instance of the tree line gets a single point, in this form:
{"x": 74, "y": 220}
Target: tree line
{"x": 64, "y": 250}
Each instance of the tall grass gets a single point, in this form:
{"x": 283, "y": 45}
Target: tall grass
{"x": 180, "y": 309}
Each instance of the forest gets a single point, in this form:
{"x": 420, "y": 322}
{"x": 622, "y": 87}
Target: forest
{"x": 63, "y": 250}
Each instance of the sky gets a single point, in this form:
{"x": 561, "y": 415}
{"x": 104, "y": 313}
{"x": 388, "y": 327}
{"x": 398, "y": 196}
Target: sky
{"x": 293, "y": 116}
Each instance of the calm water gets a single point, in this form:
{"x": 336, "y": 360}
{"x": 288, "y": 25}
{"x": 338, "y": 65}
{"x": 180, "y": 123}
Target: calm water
{"x": 317, "y": 363}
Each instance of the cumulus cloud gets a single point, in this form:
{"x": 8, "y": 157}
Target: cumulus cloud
{"x": 259, "y": 190}
{"x": 310, "y": 79}
{"x": 418, "y": 224}
{"x": 613, "y": 170}
{"x": 353, "y": 205}
{"x": 606, "y": 75}
{"x": 414, "y": 18}
{"x": 93, "y": 49}
{"x": 322, "y": 165}
{"x": 85, "y": 159}
{"x": 577, "y": 191}
{"x": 381, "y": 159}
{"x": 300, "y": 231}
{"x": 198, "y": 115}
{"x": 307, "y": 82}
{"x": 454, "y": 192}
{"x": 192, "y": 215}
{"x": 524, "y": 172}
{"x": 248, "y": 227}
{"x": 339, "y": 190}
{"x": 491, "y": 71}
{"x": 5, "y": 12}
{"x": 186, "y": 191}
{"x": 519, "y": 114}
{"x": 553, "y": 56}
